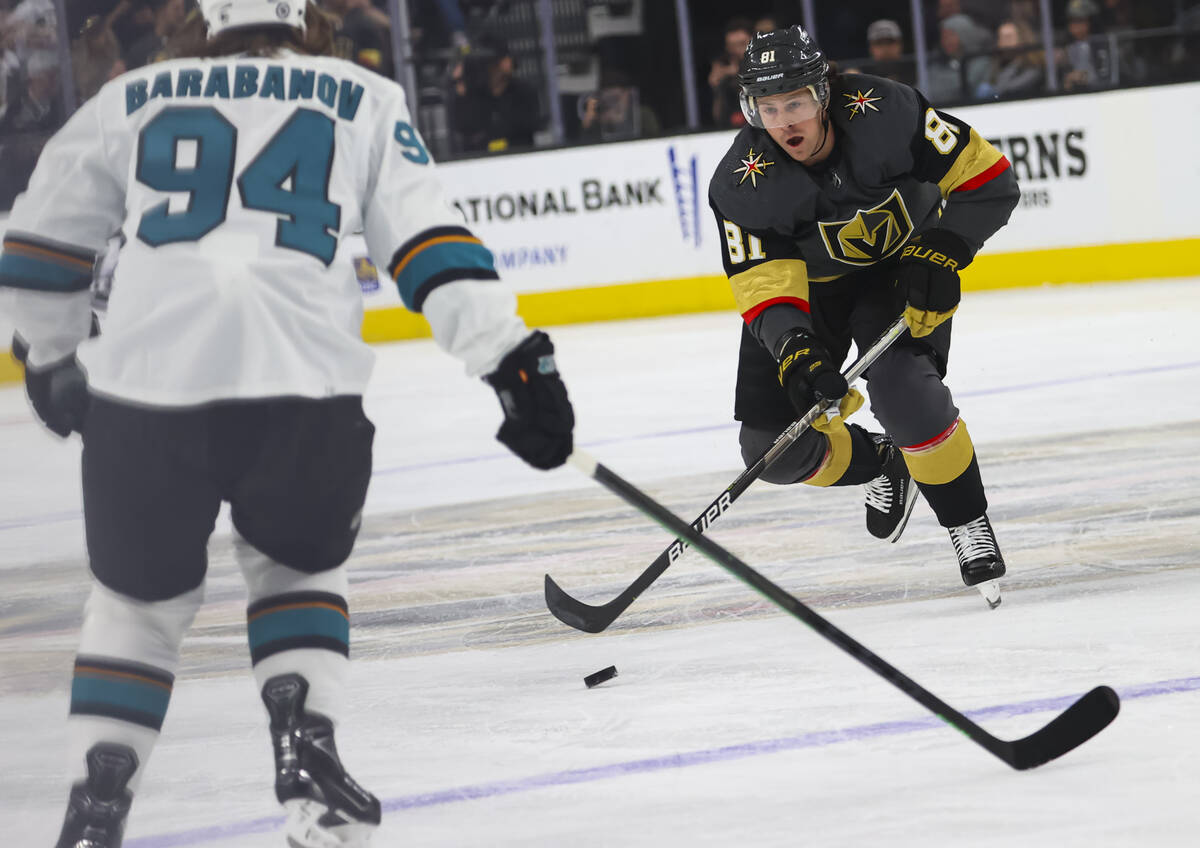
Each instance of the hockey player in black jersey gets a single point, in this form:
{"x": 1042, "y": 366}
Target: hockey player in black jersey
{"x": 846, "y": 201}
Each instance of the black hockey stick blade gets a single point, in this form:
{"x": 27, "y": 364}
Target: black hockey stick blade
{"x": 1076, "y": 725}
{"x": 596, "y": 619}
{"x": 581, "y": 616}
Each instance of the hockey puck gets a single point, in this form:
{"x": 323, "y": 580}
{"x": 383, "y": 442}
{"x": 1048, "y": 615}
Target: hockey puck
{"x": 600, "y": 676}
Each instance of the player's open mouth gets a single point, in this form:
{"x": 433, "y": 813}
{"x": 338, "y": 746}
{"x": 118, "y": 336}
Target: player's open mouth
{"x": 795, "y": 141}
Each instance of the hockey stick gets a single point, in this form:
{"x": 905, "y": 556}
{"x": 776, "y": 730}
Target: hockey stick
{"x": 1077, "y": 724}
{"x": 594, "y": 619}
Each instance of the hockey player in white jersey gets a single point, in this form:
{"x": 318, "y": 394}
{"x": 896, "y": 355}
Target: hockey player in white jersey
{"x": 231, "y": 368}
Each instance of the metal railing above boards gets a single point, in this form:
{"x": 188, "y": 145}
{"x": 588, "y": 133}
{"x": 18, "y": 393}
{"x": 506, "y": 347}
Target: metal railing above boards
{"x": 488, "y": 77}
{"x": 1112, "y": 60}
{"x": 524, "y": 74}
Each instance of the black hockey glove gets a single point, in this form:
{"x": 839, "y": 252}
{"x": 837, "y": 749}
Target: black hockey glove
{"x": 928, "y": 276}
{"x": 806, "y": 371}
{"x": 538, "y": 418}
{"x": 59, "y": 395}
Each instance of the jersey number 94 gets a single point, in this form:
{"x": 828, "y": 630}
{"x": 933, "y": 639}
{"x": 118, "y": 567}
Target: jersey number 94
{"x": 300, "y": 152}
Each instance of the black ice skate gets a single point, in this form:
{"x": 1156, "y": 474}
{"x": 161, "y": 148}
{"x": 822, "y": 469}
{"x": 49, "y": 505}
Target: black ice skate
{"x": 326, "y": 808}
{"x": 891, "y": 495}
{"x": 99, "y": 804}
{"x": 979, "y": 557}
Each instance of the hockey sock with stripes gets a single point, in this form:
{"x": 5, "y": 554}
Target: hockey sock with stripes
{"x": 298, "y": 623}
{"x": 947, "y": 472}
{"x": 125, "y": 673}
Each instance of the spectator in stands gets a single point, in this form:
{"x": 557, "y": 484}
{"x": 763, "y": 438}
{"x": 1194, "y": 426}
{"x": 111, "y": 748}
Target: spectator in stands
{"x": 95, "y": 57}
{"x": 363, "y": 34}
{"x": 32, "y": 25}
{"x": 1019, "y": 69}
{"x": 962, "y": 65}
{"x": 454, "y": 21}
{"x": 168, "y": 18}
{"x": 36, "y": 106}
{"x": 490, "y": 109}
{"x": 1135, "y": 57}
{"x": 131, "y": 21}
{"x": 1087, "y": 63}
{"x": 30, "y": 91}
{"x": 722, "y": 78}
{"x": 11, "y": 80}
{"x": 615, "y": 111}
{"x": 885, "y": 42}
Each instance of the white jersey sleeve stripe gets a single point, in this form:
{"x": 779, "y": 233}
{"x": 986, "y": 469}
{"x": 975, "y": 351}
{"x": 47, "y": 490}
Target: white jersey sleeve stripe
{"x": 32, "y": 263}
{"x": 438, "y": 256}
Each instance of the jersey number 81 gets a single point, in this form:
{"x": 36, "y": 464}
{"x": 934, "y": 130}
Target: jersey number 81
{"x": 942, "y": 134}
{"x": 737, "y": 246}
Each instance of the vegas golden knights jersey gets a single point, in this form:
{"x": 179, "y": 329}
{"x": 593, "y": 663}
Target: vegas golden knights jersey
{"x": 898, "y": 167}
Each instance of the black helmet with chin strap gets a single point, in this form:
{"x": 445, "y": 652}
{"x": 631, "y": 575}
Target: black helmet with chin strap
{"x": 778, "y": 62}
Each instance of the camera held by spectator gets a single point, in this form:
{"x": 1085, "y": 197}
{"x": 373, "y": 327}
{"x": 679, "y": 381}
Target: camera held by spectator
{"x": 615, "y": 111}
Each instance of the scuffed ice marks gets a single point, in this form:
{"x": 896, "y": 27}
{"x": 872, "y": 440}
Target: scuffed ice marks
{"x": 1071, "y": 510}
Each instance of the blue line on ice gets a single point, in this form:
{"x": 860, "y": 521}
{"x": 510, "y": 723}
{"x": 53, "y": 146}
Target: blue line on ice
{"x": 820, "y": 739}
{"x": 54, "y": 518}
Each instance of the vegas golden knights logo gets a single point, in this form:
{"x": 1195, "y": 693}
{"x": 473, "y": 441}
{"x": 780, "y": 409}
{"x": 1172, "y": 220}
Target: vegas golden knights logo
{"x": 871, "y": 235}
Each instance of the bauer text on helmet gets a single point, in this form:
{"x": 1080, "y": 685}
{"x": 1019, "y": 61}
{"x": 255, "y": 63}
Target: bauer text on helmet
{"x": 233, "y": 14}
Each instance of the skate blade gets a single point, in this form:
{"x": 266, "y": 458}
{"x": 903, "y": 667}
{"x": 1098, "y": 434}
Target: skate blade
{"x": 990, "y": 589}
{"x": 305, "y": 831}
{"x": 908, "y": 508}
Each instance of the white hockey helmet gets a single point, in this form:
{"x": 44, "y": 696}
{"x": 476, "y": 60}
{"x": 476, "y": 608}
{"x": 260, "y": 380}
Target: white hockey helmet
{"x": 232, "y": 14}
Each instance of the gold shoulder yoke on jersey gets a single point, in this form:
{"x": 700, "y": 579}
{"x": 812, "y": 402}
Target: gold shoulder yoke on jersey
{"x": 975, "y": 159}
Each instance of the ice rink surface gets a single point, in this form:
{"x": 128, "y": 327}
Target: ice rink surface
{"x": 730, "y": 723}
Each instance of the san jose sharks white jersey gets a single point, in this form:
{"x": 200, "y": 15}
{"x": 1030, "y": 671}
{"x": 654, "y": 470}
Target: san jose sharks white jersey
{"x": 236, "y": 182}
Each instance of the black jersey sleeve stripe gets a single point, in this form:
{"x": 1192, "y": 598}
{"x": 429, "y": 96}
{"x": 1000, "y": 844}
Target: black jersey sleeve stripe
{"x": 450, "y": 275}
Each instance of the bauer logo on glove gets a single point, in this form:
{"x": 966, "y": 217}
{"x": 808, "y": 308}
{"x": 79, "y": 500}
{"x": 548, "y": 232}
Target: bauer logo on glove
{"x": 927, "y": 254}
{"x": 928, "y": 276}
{"x": 805, "y": 371}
